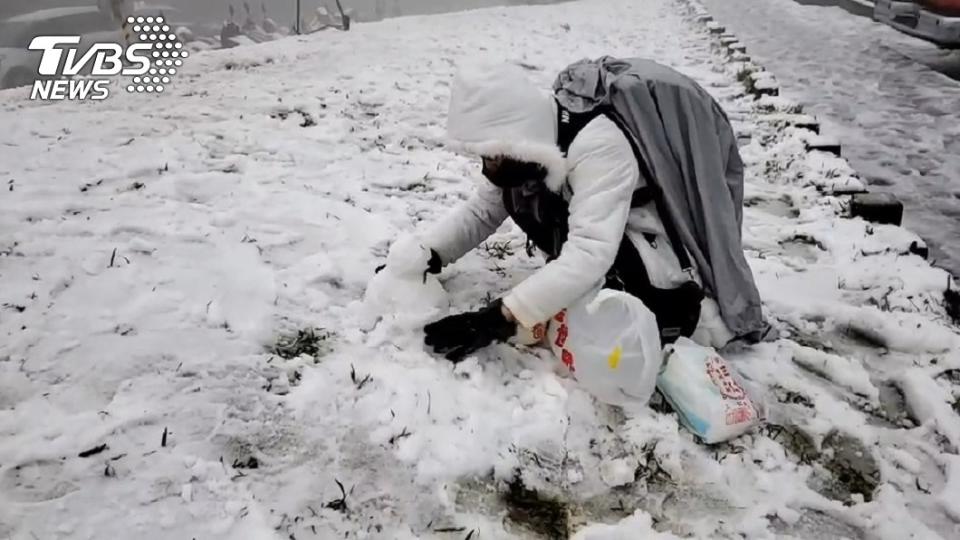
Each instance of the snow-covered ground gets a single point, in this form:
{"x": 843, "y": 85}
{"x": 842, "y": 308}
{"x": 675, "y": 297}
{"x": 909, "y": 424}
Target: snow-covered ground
{"x": 899, "y": 120}
{"x": 157, "y": 253}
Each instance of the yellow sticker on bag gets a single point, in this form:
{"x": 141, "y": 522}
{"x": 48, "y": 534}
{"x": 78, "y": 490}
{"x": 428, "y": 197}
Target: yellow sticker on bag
{"x": 614, "y": 359}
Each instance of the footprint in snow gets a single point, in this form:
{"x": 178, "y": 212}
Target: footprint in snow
{"x": 36, "y": 481}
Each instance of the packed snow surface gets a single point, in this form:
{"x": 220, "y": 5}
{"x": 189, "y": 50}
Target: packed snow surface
{"x": 186, "y": 350}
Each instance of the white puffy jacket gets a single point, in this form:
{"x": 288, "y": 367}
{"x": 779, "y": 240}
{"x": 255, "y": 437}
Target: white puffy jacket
{"x": 498, "y": 111}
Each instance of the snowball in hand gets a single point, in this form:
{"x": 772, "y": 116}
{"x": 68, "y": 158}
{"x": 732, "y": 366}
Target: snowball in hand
{"x": 404, "y": 289}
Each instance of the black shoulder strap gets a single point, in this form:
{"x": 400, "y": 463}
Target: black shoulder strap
{"x": 569, "y": 125}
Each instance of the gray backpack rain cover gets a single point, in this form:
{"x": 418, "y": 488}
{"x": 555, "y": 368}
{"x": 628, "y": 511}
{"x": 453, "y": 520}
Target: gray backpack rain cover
{"x": 690, "y": 150}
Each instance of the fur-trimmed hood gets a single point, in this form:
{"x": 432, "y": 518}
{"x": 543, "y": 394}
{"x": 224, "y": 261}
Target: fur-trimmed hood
{"x": 496, "y": 110}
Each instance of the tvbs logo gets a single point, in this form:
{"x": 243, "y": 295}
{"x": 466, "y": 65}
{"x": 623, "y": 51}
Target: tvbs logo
{"x": 68, "y": 75}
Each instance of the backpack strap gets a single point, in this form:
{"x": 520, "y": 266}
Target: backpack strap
{"x": 569, "y": 125}
{"x": 642, "y": 196}
{"x": 652, "y": 193}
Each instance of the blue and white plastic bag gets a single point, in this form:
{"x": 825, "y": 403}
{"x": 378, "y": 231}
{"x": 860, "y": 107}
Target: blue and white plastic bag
{"x": 712, "y": 400}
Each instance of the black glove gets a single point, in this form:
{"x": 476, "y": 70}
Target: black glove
{"x": 434, "y": 265}
{"x": 459, "y": 335}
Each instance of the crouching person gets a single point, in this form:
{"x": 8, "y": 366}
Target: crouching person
{"x": 627, "y": 177}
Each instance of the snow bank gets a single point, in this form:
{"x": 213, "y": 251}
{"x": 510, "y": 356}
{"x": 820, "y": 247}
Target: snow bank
{"x": 928, "y": 402}
{"x": 846, "y": 372}
{"x": 899, "y": 331}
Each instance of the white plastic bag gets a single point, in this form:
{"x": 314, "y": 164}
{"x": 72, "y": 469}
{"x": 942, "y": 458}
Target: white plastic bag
{"x": 610, "y": 342}
{"x": 712, "y": 400}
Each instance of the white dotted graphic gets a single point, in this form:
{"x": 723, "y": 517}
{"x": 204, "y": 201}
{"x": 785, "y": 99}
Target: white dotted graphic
{"x": 166, "y": 45}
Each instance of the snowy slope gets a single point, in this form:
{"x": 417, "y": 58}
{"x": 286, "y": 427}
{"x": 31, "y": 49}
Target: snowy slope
{"x": 154, "y": 250}
{"x": 899, "y": 120}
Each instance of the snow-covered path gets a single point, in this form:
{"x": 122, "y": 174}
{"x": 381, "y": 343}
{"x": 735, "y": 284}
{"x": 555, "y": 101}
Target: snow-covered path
{"x": 154, "y": 251}
{"x": 899, "y": 120}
